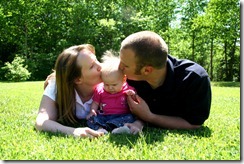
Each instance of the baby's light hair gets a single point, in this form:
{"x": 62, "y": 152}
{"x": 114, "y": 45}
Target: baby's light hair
{"x": 110, "y": 63}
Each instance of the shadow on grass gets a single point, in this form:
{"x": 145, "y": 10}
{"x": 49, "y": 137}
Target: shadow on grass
{"x": 50, "y": 135}
{"x": 225, "y": 84}
{"x": 147, "y": 137}
{"x": 151, "y": 135}
{"x": 203, "y": 131}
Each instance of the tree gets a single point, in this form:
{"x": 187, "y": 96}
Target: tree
{"x": 191, "y": 9}
{"x": 223, "y": 21}
{"x": 208, "y": 32}
{"x": 16, "y": 70}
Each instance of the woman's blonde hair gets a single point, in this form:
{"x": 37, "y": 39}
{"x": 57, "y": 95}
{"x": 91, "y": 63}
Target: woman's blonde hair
{"x": 67, "y": 70}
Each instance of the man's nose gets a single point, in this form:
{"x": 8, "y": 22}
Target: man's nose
{"x": 121, "y": 67}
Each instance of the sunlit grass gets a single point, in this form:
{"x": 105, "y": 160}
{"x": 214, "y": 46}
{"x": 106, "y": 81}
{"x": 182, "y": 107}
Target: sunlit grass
{"x": 218, "y": 139}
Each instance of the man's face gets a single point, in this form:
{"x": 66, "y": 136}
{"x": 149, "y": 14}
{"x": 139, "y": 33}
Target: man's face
{"x": 128, "y": 64}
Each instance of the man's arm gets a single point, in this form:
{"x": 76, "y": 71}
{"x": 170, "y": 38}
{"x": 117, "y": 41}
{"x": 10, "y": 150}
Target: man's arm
{"x": 141, "y": 110}
{"x": 170, "y": 122}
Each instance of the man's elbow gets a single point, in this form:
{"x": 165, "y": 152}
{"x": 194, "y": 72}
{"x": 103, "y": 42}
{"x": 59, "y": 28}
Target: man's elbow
{"x": 194, "y": 126}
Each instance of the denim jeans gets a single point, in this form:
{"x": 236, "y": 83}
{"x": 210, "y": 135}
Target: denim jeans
{"x": 109, "y": 122}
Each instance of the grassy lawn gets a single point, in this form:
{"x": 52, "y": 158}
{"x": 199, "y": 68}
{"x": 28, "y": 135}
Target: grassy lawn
{"x": 218, "y": 139}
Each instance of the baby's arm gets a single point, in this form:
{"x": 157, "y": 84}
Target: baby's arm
{"x": 94, "y": 108}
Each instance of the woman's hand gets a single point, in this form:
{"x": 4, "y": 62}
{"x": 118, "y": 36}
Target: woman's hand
{"x": 86, "y": 132}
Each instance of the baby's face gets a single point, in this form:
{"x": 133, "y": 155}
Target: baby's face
{"x": 113, "y": 83}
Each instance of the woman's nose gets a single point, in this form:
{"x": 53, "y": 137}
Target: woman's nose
{"x": 99, "y": 67}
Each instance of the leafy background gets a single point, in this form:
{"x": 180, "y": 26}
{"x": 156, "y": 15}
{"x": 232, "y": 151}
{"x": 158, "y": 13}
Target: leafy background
{"x": 207, "y": 32}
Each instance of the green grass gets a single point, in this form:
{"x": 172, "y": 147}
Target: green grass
{"x": 218, "y": 139}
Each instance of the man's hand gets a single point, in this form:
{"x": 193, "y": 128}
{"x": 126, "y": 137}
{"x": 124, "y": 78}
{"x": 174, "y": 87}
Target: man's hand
{"x": 139, "y": 107}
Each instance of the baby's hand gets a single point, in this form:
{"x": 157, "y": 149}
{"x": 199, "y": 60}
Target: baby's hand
{"x": 92, "y": 113}
{"x": 130, "y": 92}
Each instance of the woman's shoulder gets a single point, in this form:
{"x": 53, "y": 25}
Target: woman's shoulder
{"x": 51, "y": 89}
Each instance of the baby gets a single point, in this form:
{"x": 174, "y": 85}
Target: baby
{"x": 109, "y": 109}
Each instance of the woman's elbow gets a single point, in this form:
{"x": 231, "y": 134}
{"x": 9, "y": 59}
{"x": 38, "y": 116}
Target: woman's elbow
{"x": 38, "y": 124}
{"x": 38, "y": 127}
{"x": 40, "y": 119}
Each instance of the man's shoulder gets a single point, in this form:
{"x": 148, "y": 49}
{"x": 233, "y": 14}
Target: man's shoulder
{"x": 186, "y": 67}
{"x": 133, "y": 83}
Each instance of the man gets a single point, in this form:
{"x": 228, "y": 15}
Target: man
{"x": 172, "y": 93}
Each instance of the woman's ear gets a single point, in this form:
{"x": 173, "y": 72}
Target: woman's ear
{"x": 78, "y": 80}
{"x": 124, "y": 78}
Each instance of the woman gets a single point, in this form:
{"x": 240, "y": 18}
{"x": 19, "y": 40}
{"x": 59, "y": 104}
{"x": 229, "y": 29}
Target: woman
{"x": 67, "y": 98}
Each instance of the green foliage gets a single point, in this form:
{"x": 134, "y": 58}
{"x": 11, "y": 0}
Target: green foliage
{"x": 16, "y": 71}
{"x": 41, "y": 64}
{"x": 207, "y": 32}
{"x": 219, "y": 138}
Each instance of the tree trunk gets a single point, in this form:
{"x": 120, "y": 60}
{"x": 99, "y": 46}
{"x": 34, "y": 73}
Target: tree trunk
{"x": 226, "y": 61}
{"x": 193, "y": 46}
{"x": 211, "y": 60}
{"x": 232, "y": 60}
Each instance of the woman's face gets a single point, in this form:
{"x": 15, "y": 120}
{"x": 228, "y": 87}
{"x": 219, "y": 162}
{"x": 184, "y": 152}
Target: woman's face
{"x": 91, "y": 68}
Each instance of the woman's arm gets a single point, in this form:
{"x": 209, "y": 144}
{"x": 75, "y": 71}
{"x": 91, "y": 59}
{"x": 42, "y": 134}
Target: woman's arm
{"x": 47, "y": 117}
{"x": 47, "y": 121}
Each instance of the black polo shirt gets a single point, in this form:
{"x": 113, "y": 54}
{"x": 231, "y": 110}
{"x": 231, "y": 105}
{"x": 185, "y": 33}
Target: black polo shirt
{"x": 186, "y": 92}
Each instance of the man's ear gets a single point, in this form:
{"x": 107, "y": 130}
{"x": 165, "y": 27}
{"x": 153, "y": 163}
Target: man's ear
{"x": 147, "y": 70}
